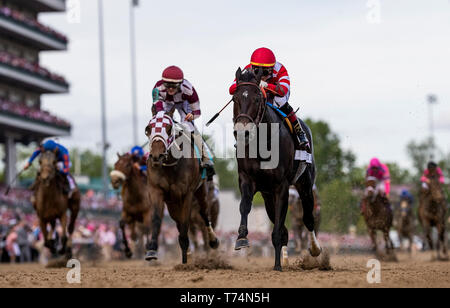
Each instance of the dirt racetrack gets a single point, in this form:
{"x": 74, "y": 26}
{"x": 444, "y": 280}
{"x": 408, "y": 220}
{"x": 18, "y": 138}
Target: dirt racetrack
{"x": 347, "y": 271}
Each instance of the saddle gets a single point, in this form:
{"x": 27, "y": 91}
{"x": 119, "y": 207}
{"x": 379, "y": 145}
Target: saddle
{"x": 301, "y": 158}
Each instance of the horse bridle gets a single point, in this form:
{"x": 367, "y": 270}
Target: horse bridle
{"x": 261, "y": 107}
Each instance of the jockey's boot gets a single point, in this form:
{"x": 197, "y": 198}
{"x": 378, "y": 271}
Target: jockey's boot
{"x": 206, "y": 159}
{"x": 302, "y": 140}
{"x": 66, "y": 186}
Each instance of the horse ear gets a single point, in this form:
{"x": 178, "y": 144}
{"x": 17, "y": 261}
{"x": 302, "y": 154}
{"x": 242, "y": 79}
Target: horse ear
{"x": 238, "y": 75}
{"x": 147, "y": 131}
{"x": 171, "y": 112}
{"x": 118, "y": 155}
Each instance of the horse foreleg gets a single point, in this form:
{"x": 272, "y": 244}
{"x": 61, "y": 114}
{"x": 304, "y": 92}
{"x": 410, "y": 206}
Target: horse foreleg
{"x": 63, "y": 221}
{"x": 442, "y": 245}
{"x": 157, "y": 200}
{"x": 182, "y": 219}
{"x": 373, "y": 237}
{"x": 201, "y": 194}
{"x": 122, "y": 225}
{"x": 247, "y": 191}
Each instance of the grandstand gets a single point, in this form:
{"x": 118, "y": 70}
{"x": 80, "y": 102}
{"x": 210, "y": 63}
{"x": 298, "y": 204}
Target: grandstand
{"x": 23, "y": 80}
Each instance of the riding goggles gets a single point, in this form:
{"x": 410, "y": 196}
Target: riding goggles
{"x": 172, "y": 85}
{"x": 266, "y": 71}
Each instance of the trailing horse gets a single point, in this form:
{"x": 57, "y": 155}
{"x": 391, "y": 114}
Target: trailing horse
{"x": 176, "y": 181}
{"x": 404, "y": 222}
{"x": 197, "y": 222}
{"x": 298, "y": 227}
{"x": 260, "y": 171}
{"x": 432, "y": 212}
{"x": 136, "y": 211}
{"x": 378, "y": 215}
{"x": 51, "y": 204}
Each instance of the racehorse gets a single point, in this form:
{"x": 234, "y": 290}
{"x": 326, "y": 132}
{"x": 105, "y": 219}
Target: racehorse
{"x": 251, "y": 110}
{"x": 298, "y": 227}
{"x": 432, "y": 212}
{"x": 197, "y": 223}
{"x": 404, "y": 222}
{"x": 51, "y": 205}
{"x": 136, "y": 211}
{"x": 378, "y": 215}
{"x": 174, "y": 181}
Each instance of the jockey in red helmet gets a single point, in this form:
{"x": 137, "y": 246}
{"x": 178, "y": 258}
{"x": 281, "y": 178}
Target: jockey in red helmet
{"x": 173, "y": 91}
{"x": 276, "y": 78}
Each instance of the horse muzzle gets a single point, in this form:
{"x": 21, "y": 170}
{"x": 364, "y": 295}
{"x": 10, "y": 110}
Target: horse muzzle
{"x": 157, "y": 161}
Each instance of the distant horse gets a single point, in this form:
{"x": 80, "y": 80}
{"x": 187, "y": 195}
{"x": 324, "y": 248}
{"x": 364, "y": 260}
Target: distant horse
{"x": 432, "y": 212}
{"x": 378, "y": 215}
{"x": 174, "y": 181}
{"x": 136, "y": 211}
{"x": 298, "y": 227}
{"x": 197, "y": 222}
{"x": 404, "y": 222}
{"x": 251, "y": 110}
{"x": 52, "y": 203}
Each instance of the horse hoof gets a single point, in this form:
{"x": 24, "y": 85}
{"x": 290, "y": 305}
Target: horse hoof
{"x": 241, "y": 243}
{"x": 315, "y": 252}
{"x": 278, "y": 268}
{"x": 151, "y": 255}
{"x": 128, "y": 254}
{"x": 214, "y": 244}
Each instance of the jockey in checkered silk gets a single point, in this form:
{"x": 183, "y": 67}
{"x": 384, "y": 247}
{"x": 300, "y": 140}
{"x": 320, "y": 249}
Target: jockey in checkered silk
{"x": 173, "y": 91}
{"x": 276, "y": 78}
{"x": 381, "y": 172}
{"x": 62, "y": 157}
{"x": 139, "y": 158}
{"x": 432, "y": 168}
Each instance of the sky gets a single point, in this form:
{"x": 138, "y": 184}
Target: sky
{"x": 363, "y": 66}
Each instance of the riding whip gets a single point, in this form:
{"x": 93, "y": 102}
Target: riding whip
{"x": 15, "y": 179}
{"x": 218, "y": 114}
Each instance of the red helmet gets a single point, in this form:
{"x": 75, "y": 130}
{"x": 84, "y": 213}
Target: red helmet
{"x": 173, "y": 74}
{"x": 263, "y": 57}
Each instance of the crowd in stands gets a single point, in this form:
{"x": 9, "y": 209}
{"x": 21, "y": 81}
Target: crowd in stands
{"x": 31, "y": 23}
{"x": 30, "y": 67}
{"x": 31, "y": 113}
{"x": 96, "y": 201}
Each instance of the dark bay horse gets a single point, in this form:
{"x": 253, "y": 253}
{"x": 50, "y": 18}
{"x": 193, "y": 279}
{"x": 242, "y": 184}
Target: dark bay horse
{"x": 296, "y": 211}
{"x": 175, "y": 181}
{"x": 404, "y": 222}
{"x": 197, "y": 223}
{"x": 52, "y": 204}
{"x": 432, "y": 212}
{"x": 136, "y": 211}
{"x": 259, "y": 174}
{"x": 378, "y": 215}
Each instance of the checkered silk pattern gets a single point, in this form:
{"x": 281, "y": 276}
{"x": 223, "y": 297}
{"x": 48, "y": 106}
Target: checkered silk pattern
{"x": 159, "y": 124}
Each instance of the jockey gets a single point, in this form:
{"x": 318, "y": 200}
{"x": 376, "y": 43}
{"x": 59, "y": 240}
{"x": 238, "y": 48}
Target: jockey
{"x": 432, "y": 168}
{"x": 276, "y": 79}
{"x": 62, "y": 157}
{"x": 381, "y": 173}
{"x": 139, "y": 158}
{"x": 406, "y": 195}
{"x": 173, "y": 91}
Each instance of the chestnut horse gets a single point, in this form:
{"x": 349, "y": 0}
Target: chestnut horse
{"x": 51, "y": 204}
{"x": 404, "y": 222}
{"x": 197, "y": 223}
{"x": 378, "y": 215}
{"x": 296, "y": 211}
{"x": 136, "y": 211}
{"x": 174, "y": 180}
{"x": 432, "y": 212}
{"x": 262, "y": 171}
